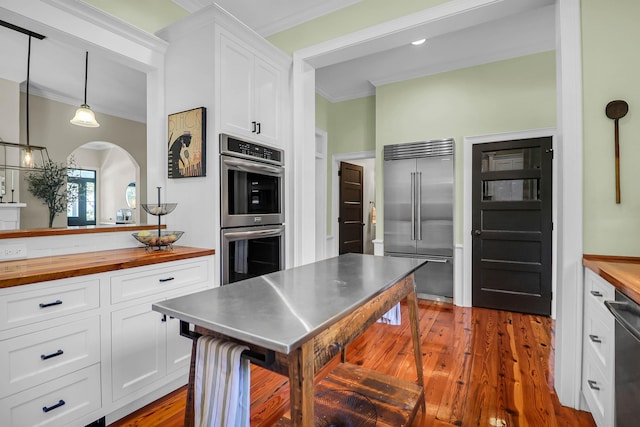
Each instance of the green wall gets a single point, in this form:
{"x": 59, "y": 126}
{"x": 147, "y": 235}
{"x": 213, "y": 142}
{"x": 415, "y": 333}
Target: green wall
{"x": 610, "y": 70}
{"x": 350, "y": 126}
{"x": 344, "y": 21}
{"x": 506, "y": 96}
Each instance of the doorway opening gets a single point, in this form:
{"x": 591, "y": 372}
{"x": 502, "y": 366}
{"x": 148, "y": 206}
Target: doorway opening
{"x": 115, "y": 170}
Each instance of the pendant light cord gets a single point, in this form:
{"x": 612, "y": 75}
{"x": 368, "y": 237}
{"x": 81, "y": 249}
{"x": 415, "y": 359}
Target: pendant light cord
{"x": 86, "y": 70}
{"x": 28, "y": 72}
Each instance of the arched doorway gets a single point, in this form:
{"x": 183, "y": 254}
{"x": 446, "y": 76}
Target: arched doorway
{"x": 115, "y": 170}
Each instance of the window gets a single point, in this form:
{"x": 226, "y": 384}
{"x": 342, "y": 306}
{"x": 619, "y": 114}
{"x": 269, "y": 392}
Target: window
{"x": 82, "y": 183}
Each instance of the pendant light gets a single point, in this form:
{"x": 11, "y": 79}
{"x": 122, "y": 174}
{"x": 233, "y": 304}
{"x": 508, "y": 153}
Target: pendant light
{"x": 27, "y": 158}
{"x": 84, "y": 116}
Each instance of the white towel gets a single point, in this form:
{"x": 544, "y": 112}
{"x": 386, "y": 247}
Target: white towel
{"x": 392, "y": 317}
{"x": 241, "y": 255}
{"x": 221, "y": 395}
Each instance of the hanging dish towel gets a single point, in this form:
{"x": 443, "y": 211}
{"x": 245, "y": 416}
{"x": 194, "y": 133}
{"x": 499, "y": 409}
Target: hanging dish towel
{"x": 392, "y": 317}
{"x": 221, "y": 395}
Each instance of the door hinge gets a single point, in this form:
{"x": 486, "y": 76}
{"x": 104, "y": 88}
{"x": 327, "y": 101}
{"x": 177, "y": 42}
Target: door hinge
{"x": 339, "y": 172}
{"x": 549, "y": 151}
{"x": 339, "y": 219}
{"x": 552, "y": 226}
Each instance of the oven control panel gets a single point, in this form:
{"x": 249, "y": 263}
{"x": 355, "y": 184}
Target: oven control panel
{"x": 243, "y": 148}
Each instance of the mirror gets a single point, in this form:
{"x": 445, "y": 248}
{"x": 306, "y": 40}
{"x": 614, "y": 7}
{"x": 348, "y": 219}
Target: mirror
{"x": 115, "y": 91}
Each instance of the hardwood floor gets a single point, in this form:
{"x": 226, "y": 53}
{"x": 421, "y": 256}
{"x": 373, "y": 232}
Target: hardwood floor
{"x": 482, "y": 368}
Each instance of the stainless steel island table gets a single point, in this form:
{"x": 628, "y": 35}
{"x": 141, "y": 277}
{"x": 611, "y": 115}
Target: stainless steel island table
{"x": 301, "y": 318}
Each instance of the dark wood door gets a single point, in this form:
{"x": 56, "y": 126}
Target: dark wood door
{"x": 350, "y": 217}
{"x": 512, "y": 225}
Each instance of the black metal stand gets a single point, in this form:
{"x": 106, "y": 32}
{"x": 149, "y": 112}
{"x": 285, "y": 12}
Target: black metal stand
{"x": 259, "y": 359}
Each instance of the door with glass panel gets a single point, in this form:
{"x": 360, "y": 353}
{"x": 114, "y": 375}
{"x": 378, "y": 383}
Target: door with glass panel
{"x": 512, "y": 225}
{"x": 81, "y": 203}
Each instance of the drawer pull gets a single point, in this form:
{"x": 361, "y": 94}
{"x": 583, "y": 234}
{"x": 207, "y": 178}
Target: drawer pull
{"x": 596, "y": 294}
{"x": 592, "y": 385}
{"x": 595, "y": 338}
{"x": 51, "y": 408}
{"x": 50, "y": 304}
{"x": 49, "y": 356}
{"x": 168, "y": 279}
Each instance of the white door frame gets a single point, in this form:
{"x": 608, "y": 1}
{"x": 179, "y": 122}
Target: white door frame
{"x": 335, "y": 191}
{"x": 321, "y": 199}
{"x": 568, "y": 354}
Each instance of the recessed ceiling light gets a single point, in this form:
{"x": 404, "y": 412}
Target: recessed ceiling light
{"x": 418, "y": 42}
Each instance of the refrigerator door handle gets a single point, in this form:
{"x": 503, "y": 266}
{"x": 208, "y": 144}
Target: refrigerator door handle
{"x": 413, "y": 206}
{"x": 419, "y": 205}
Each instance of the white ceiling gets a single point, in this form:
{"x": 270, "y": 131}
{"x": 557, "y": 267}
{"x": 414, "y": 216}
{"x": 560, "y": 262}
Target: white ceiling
{"x": 57, "y": 64}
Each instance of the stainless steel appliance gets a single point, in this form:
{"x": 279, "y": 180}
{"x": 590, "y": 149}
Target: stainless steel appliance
{"x": 627, "y": 370}
{"x": 418, "y": 211}
{"x": 251, "y": 251}
{"x": 252, "y": 209}
{"x": 252, "y": 183}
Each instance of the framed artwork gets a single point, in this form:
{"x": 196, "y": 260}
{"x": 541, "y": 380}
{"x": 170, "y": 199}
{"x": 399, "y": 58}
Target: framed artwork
{"x": 187, "y": 144}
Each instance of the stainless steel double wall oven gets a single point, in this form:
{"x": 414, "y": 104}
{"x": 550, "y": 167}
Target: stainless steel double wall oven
{"x": 252, "y": 209}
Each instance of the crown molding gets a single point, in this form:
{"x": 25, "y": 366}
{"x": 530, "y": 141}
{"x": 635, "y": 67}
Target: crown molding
{"x": 110, "y": 23}
{"x": 321, "y": 9}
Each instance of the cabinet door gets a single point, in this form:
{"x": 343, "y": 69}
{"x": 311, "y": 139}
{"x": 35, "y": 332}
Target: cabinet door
{"x": 236, "y": 80}
{"x": 138, "y": 349}
{"x": 178, "y": 347}
{"x": 266, "y": 100}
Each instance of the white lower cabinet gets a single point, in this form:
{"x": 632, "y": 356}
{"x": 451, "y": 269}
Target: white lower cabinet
{"x": 60, "y": 402}
{"x": 75, "y": 350}
{"x": 598, "y": 350}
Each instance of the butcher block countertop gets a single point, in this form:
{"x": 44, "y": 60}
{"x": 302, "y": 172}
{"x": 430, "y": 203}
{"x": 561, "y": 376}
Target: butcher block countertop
{"x": 32, "y": 270}
{"x": 621, "y": 272}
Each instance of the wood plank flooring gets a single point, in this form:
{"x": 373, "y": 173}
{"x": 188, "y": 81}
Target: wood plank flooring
{"x": 481, "y": 367}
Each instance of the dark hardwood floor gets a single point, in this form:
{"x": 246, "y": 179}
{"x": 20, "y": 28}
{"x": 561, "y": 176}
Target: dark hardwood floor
{"x": 482, "y": 368}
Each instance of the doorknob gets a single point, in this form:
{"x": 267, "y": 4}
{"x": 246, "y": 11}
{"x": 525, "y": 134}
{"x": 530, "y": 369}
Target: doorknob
{"x": 477, "y": 232}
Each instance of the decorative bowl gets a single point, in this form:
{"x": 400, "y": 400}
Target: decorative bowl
{"x": 159, "y": 208}
{"x": 150, "y": 237}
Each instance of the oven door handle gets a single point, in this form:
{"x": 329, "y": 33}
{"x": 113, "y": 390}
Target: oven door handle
{"x": 249, "y": 234}
{"x": 625, "y": 314}
{"x": 253, "y": 167}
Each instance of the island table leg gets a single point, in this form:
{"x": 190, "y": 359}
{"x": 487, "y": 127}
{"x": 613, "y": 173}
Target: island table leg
{"x": 301, "y": 372}
{"x": 412, "y": 303}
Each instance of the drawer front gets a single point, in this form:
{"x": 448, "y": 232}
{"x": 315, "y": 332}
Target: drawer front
{"x": 47, "y": 302}
{"x": 598, "y": 290}
{"x": 599, "y": 335}
{"x": 597, "y": 390}
{"x": 151, "y": 281}
{"x": 33, "y": 359}
{"x": 56, "y": 403}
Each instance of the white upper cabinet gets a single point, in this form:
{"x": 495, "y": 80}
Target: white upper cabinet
{"x": 250, "y": 92}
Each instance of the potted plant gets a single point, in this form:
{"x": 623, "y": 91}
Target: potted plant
{"x": 49, "y": 183}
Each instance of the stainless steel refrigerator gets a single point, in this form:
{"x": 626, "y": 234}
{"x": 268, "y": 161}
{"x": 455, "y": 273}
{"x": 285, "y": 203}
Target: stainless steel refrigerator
{"x": 418, "y": 211}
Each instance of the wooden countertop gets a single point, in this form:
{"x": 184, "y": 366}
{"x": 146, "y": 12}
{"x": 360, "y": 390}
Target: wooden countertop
{"x": 63, "y": 231}
{"x": 621, "y": 272}
{"x": 32, "y": 270}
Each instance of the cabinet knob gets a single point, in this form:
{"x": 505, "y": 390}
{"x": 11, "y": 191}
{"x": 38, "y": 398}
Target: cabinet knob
{"x": 595, "y": 338}
{"x": 259, "y": 126}
{"x": 253, "y": 127}
{"x": 49, "y": 356}
{"x": 52, "y": 407}
{"x": 592, "y": 385}
{"x": 596, "y": 294}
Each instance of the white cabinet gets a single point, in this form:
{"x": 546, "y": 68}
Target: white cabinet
{"x": 75, "y": 350}
{"x": 50, "y": 353}
{"x": 598, "y": 349}
{"x": 250, "y": 92}
{"x": 146, "y": 346}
